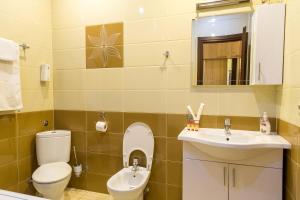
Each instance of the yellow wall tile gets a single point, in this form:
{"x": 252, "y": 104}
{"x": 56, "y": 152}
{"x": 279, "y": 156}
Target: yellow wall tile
{"x": 30, "y": 22}
{"x": 148, "y": 82}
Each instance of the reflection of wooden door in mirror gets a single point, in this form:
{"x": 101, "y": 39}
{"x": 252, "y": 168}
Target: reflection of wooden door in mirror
{"x": 222, "y": 60}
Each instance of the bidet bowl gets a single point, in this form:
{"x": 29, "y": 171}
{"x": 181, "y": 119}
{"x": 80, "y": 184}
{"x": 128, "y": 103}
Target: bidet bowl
{"x": 127, "y": 185}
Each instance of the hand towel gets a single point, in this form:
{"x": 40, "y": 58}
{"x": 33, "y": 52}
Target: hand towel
{"x": 10, "y": 83}
{"x": 9, "y": 50}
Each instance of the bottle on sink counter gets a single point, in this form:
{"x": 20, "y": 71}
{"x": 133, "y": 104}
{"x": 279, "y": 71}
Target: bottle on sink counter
{"x": 189, "y": 123}
{"x": 265, "y": 126}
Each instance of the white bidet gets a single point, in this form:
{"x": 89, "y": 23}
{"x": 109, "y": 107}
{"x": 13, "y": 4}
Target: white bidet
{"x": 127, "y": 184}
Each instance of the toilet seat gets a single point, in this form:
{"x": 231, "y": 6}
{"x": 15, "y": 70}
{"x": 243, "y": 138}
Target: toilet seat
{"x": 138, "y": 136}
{"x": 51, "y": 172}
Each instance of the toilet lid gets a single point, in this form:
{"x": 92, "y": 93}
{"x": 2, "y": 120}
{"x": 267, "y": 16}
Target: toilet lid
{"x": 138, "y": 136}
{"x": 51, "y": 172}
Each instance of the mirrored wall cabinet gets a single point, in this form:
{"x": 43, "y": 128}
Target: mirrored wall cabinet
{"x": 268, "y": 44}
{"x": 239, "y": 49}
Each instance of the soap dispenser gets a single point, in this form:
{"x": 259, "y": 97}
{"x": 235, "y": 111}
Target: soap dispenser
{"x": 265, "y": 126}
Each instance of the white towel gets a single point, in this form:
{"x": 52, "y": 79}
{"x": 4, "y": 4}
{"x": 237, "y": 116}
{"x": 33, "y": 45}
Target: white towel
{"x": 10, "y": 83}
{"x": 9, "y": 50}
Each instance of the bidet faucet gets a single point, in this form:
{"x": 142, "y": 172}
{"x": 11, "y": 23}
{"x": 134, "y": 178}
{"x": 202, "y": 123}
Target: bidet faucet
{"x": 227, "y": 125}
{"x": 135, "y": 164}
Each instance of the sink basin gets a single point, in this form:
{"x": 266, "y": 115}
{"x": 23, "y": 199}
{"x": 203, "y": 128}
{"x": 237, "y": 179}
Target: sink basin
{"x": 239, "y": 145}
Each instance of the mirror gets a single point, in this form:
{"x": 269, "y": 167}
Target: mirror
{"x": 221, "y": 50}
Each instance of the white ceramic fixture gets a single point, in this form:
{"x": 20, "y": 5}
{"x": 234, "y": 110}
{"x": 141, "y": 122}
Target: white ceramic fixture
{"x": 267, "y": 51}
{"x": 53, "y": 154}
{"x": 129, "y": 184}
{"x": 244, "y": 165}
{"x": 8, "y": 195}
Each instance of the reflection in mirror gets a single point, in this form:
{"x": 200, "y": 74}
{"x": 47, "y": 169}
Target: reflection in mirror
{"x": 220, "y": 50}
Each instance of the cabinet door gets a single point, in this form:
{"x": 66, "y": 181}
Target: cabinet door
{"x": 268, "y": 44}
{"x": 259, "y": 183}
{"x": 203, "y": 180}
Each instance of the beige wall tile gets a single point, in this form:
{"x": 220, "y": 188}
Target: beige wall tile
{"x": 68, "y": 38}
{"x": 43, "y": 99}
{"x": 104, "y": 100}
{"x": 69, "y": 100}
{"x": 69, "y": 79}
{"x": 176, "y": 101}
{"x": 143, "y": 31}
{"x": 32, "y": 25}
{"x": 248, "y": 101}
{"x": 179, "y": 77}
{"x": 67, "y": 13}
{"x": 180, "y": 52}
{"x": 149, "y": 54}
{"x": 104, "y": 79}
{"x": 177, "y": 27}
{"x": 144, "y": 101}
{"x": 144, "y": 78}
{"x": 69, "y": 59}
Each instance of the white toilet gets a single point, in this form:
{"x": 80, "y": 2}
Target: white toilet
{"x": 53, "y": 153}
{"x": 130, "y": 182}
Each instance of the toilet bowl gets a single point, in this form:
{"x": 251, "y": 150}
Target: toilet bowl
{"x": 50, "y": 180}
{"x": 130, "y": 182}
{"x": 54, "y": 173}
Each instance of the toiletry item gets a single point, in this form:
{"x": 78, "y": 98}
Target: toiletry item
{"x": 101, "y": 126}
{"x": 265, "y": 126}
{"x": 191, "y": 112}
{"x": 196, "y": 118}
{"x": 189, "y": 121}
{"x": 45, "y": 72}
{"x": 199, "y": 113}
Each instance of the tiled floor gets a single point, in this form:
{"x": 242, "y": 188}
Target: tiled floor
{"x": 76, "y": 194}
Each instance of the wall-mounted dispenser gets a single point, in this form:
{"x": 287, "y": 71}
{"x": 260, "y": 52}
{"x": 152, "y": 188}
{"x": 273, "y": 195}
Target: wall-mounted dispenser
{"x": 45, "y": 72}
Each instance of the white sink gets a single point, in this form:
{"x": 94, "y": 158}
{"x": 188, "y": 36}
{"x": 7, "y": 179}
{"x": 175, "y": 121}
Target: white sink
{"x": 240, "y": 145}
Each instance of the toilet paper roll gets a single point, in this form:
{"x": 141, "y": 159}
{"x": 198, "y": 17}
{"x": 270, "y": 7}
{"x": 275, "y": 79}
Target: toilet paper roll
{"x": 101, "y": 126}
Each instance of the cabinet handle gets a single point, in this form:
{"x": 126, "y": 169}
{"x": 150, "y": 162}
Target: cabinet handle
{"x": 233, "y": 177}
{"x": 224, "y": 175}
{"x": 259, "y": 71}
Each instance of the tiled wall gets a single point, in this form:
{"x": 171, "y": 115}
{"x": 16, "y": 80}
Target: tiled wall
{"x": 146, "y": 83}
{"x": 29, "y": 22}
{"x": 292, "y": 160}
{"x": 17, "y": 148}
{"x": 289, "y": 99}
{"x": 102, "y": 152}
{"x": 289, "y": 93}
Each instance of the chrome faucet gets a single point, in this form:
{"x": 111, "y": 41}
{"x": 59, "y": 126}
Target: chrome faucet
{"x": 227, "y": 125}
{"x": 135, "y": 164}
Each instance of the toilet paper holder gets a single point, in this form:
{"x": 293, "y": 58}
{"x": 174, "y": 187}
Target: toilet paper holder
{"x": 102, "y": 116}
{"x": 102, "y": 124}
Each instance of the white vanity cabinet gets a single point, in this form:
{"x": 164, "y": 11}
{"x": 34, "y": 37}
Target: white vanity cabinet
{"x": 205, "y": 180}
{"x": 251, "y": 182}
{"x": 268, "y": 25}
{"x": 209, "y": 178}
